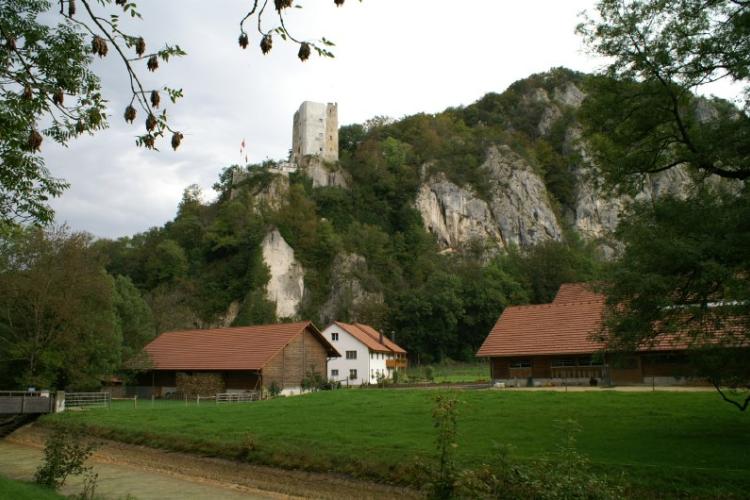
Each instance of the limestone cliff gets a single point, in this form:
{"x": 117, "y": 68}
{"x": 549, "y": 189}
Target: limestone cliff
{"x": 518, "y": 212}
{"x": 323, "y": 174}
{"x": 286, "y": 285}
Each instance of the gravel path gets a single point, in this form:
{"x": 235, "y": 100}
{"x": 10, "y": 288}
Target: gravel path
{"x": 147, "y": 473}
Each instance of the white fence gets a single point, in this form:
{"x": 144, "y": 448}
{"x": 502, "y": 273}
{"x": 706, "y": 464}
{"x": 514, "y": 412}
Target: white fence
{"x": 88, "y": 399}
{"x": 237, "y": 397}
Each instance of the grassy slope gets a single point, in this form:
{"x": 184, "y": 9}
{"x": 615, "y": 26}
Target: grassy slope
{"x": 19, "y": 490}
{"x": 681, "y": 442}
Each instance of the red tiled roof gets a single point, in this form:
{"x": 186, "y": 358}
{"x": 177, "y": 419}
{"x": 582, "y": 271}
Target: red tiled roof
{"x": 545, "y": 329}
{"x": 371, "y": 337}
{"x": 566, "y": 326}
{"x": 237, "y": 348}
{"x": 576, "y": 292}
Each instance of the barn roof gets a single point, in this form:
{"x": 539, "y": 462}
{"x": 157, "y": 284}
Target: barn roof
{"x": 236, "y": 348}
{"x": 576, "y": 292}
{"x": 545, "y": 329}
{"x": 371, "y": 338}
{"x": 571, "y": 324}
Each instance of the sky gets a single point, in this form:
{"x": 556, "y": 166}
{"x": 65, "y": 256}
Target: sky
{"x": 393, "y": 58}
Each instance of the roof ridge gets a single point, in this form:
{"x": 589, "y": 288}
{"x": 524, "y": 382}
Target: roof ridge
{"x": 557, "y": 304}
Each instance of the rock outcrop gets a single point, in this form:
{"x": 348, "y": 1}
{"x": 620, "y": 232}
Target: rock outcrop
{"x": 323, "y": 174}
{"x": 286, "y": 286}
{"x": 455, "y": 215}
{"x": 518, "y": 211}
{"x": 519, "y": 202}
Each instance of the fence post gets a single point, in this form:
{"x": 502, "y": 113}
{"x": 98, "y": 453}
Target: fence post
{"x": 23, "y": 403}
{"x": 135, "y": 401}
{"x": 59, "y": 402}
{"x": 197, "y": 400}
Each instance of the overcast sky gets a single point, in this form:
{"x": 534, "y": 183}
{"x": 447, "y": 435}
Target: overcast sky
{"x": 393, "y": 57}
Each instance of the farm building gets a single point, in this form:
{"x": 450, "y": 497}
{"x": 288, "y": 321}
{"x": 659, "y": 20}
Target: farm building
{"x": 367, "y": 354}
{"x": 237, "y": 359}
{"x": 552, "y": 344}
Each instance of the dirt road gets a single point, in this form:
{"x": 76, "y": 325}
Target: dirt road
{"x": 146, "y": 473}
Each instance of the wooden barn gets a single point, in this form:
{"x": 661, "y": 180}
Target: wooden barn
{"x": 236, "y": 359}
{"x": 552, "y": 344}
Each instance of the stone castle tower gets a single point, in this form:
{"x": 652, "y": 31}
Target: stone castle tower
{"x": 316, "y": 132}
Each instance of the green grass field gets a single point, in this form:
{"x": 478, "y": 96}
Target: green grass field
{"x": 19, "y": 490}
{"x": 450, "y": 372}
{"x": 665, "y": 443}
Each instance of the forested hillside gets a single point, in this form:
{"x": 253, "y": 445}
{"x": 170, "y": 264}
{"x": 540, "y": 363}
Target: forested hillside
{"x": 362, "y": 246}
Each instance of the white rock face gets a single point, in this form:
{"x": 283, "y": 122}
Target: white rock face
{"x": 520, "y": 202}
{"x": 323, "y": 175}
{"x": 454, "y": 214}
{"x": 286, "y": 285}
{"x": 519, "y": 212}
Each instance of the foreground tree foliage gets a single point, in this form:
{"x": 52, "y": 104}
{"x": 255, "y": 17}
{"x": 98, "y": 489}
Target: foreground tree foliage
{"x": 684, "y": 270}
{"x": 49, "y": 90}
{"x": 64, "y": 322}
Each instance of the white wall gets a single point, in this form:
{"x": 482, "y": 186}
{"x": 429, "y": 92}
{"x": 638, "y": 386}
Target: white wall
{"x": 347, "y": 342}
{"x": 368, "y": 364}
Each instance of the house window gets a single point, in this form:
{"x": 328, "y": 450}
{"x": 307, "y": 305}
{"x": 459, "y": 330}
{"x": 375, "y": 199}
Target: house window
{"x": 351, "y": 354}
{"x": 523, "y": 363}
{"x": 334, "y": 373}
{"x": 353, "y": 374}
{"x": 335, "y": 336}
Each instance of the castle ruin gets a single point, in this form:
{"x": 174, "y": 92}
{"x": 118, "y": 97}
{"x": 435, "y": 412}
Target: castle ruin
{"x": 315, "y": 132}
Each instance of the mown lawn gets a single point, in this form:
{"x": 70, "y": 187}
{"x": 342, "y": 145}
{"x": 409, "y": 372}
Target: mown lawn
{"x": 680, "y": 443}
{"x": 451, "y": 372}
{"x": 19, "y": 490}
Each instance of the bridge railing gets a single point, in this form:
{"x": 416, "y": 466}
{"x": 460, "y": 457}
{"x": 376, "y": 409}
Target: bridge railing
{"x": 21, "y": 402}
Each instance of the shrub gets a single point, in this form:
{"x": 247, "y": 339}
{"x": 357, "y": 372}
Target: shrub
{"x": 64, "y": 454}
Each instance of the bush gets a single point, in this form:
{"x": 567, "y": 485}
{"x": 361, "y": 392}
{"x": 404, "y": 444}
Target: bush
{"x": 64, "y": 454}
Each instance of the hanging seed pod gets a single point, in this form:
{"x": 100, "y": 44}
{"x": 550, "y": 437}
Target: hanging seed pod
{"x": 140, "y": 46}
{"x": 176, "y": 140}
{"x": 243, "y": 40}
{"x": 130, "y": 113}
{"x": 282, "y": 4}
{"x": 10, "y": 43}
{"x": 150, "y": 122}
{"x": 148, "y": 141}
{"x": 266, "y": 44}
{"x": 153, "y": 63}
{"x": 27, "y": 92}
{"x": 95, "y": 117}
{"x": 80, "y": 127}
{"x": 155, "y": 98}
{"x": 71, "y": 8}
{"x": 35, "y": 141}
{"x": 58, "y": 97}
{"x": 304, "y": 51}
{"x": 99, "y": 46}
{"x": 338, "y": 3}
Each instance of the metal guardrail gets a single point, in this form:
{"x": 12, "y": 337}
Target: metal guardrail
{"x": 88, "y": 400}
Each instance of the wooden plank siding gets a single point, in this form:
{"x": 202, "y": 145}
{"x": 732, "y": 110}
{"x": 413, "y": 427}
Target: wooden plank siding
{"x": 303, "y": 354}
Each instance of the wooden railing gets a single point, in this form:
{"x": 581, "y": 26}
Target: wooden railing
{"x": 576, "y": 372}
{"x": 395, "y": 363}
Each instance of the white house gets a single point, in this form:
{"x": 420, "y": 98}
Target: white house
{"x": 366, "y": 354}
